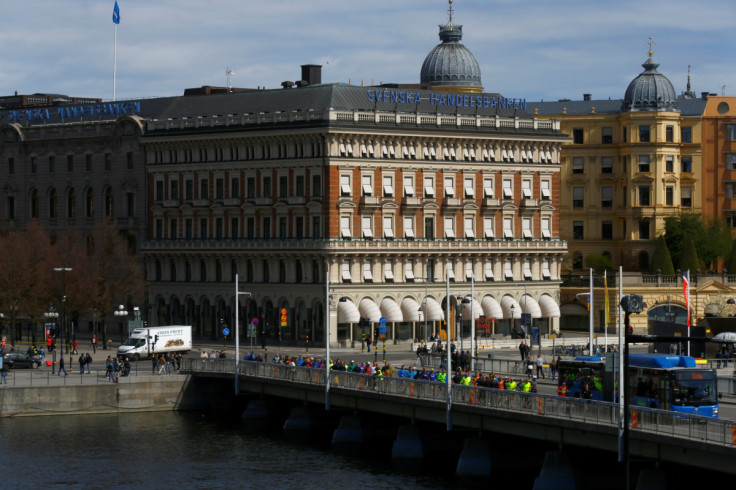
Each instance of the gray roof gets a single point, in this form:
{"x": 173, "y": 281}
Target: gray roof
{"x": 687, "y": 107}
{"x": 450, "y": 63}
{"x": 650, "y": 90}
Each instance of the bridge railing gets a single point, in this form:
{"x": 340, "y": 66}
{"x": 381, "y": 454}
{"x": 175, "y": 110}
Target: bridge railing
{"x": 660, "y": 422}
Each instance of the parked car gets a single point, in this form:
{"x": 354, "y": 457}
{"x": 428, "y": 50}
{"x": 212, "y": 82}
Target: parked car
{"x": 19, "y": 360}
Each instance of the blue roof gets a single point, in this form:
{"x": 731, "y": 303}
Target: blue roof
{"x": 589, "y": 358}
{"x": 662, "y": 361}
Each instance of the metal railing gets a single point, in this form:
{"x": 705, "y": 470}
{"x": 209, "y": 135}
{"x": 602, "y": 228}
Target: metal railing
{"x": 660, "y": 422}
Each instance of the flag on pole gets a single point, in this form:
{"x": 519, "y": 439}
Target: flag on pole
{"x": 686, "y": 293}
{"x": 608, "y": 307}
{"x": 116, "y": 14}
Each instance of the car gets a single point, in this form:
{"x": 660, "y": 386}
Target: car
{"x": 16, "y": 360}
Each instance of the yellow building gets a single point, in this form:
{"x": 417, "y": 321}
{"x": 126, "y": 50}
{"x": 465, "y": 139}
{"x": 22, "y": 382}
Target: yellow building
{"x": 629, "y": 164}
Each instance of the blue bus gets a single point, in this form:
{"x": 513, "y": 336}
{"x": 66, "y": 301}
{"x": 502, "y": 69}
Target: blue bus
{"x": 665, "y": 382}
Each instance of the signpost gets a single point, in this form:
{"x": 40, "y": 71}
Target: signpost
{"x": 225, "y": 332}
{"x": 382, "y": 335}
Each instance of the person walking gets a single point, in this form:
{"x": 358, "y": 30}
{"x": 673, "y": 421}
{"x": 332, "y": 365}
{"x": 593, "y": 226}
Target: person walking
{"x": 88, "y": 362}
{"x": 540, "y": 365}
{"x": 94, "y": 343}
{"x": 4, "y": 373}
{"x": 522, "y": 350}
{"x": 82, "y": 362}
{"x": 108, "y": 369}
{"x": 61, "y": 366}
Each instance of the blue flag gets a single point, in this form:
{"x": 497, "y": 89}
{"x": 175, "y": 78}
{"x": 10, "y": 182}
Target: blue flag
{"x": 116, "y": 14}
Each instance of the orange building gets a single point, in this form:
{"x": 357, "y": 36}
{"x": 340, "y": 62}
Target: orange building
{"x": 719, "y": 159}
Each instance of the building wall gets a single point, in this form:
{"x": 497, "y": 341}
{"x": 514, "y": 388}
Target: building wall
{"x": 719, "y": 163}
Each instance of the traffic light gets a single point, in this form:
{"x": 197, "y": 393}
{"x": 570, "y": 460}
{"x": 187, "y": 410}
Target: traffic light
{"x": 53, "y": 332}
{"x": 155, "y": 339}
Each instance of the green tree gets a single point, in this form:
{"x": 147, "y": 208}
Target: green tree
{"x": 661, "y": 259}
{"x": 711, "y": 240}
{"x": 715, "y": 243}
{"x": 731, "y": 263}
{"x": 675, "y": 230}
{"x": 598, "y": 262}
{"x": 688, "y": 257}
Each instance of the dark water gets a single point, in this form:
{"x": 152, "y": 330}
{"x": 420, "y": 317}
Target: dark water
{"x": 178, "y": 450}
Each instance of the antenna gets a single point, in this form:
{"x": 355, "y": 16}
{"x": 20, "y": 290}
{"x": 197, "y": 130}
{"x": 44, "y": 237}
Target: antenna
{"x": 229, "y": 72}
{"x": 723, "y": 90}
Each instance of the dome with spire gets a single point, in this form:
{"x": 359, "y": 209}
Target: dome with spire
{"x": 651, "y": 90}
{"x": 450, "y": 65}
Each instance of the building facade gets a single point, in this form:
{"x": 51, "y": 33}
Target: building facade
{"x": 719, "y": 159}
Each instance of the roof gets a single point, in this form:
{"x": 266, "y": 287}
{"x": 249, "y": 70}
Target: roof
{"x": 687, "y": 107}
{"x": 661, "y": 361}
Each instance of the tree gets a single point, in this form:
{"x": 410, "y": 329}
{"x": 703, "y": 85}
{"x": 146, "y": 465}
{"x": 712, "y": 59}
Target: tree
{"x": 688, "y": 257}
{"x": 731, "y": 263}
{"x": 715, "y": 243}
{"x": 661, "y": 260}
{"x": 676, "y": 228}
{"x": 711, "y": 239}
{"x": 598, "y": 262}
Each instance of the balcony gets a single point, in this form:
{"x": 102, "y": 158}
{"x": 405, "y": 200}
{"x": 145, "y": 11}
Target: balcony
{"x": 529, "y": 203}
{"x": 412, "y": 202}
{"x": 452, "y": 202}
{"x": 491, "y": 202}
{"x": 370, "y": 201}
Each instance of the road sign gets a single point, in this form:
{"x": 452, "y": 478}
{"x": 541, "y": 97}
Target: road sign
{"x": 383, "y": 321}
{"x": 225, "y": 331}
{"x": 254, "y": 321}
{"x": 252, "y": 330}
{"x": 382, "y": 332}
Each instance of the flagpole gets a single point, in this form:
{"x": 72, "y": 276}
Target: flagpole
{"x": 115, "y": 62}
{"x": 689, "y": 320}
{"x": 621, "y": 398}
{"x": 605, "y": 316}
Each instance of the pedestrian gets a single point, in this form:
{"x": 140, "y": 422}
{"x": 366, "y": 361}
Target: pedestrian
{"x": 4, "y": 373}
{"x": 94, "y": 343}
{"x": 522, "y": 350}
{"x": 154, "y": 365}
{"x": 369, "y": 341}
{"x": 82, "y": 362}
{"x": 108, "y": 369}
{"x": 540, "y": 365}
{"x": 50, "y": 343}
{"x": 74, "y": 346}
{"x": 61, "y": 366}
{"x": 88, "y": 362}
{"x": 553, "y": 367}
{"x": 178, "y": 361}
{"x": 161, "y": 365}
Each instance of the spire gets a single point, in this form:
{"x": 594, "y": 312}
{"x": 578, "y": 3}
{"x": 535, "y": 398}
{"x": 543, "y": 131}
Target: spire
{"x": 688, "y": 78}
{"x": 450, "y": 11}
{"x": 450, "y": 32}
{"x": 651, "y": 44}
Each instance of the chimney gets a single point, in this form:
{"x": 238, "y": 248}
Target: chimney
{"x": 312, "y": 74}
{"x": 287, "y": 84}
{"x": 586, "y": 96}
{"x": 704, "y": 95}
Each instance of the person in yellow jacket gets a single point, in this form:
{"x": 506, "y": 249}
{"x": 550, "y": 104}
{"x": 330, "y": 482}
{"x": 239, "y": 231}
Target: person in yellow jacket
{"x": 465, "y": 380}
{"x": 511, "y": 385}
{"x": 442, "y": 376}
{"x": 526, "y": 386}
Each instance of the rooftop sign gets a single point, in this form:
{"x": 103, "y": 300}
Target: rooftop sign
{"x": 69, "y": 112}
{"x": 445, "y": 99}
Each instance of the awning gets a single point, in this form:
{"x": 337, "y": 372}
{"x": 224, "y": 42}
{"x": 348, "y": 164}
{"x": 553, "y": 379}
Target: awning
{"x": 369, "y": 309}
{"x": 506, "y": 303}
{"x": 549, "y": 306}
{"x": 572, "y": 309}
{"x": 391, "y": 310}
{"x": 347, "y": 312}
{"x": 410, "y": 309}
{"x": 434, "y": 310}
{"x": 491, "y": 308}
{"x": 477, "y": 310}
{"x": 530, "y": 305}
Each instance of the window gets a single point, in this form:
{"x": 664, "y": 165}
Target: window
{"x": 669, "y": 163}
{"x": 71, "y": 204}
{"x": 235, "y": 187}
{"x": 508, "y": 228}
{"x": 526, "y": 228}
{"x": 174, "y": 190}
{"x": 545, "y": 270}
{"x": 129, "y": 159}
{"x": 644, "y": 229}
{"x": 409, "y": 270}
{"x": 108, "y": 161}
{"x": 607, "y": 135}
{"x": 469, "y": 270}
{"x": 577, "y": 197}
{"x": 508, "y": 270}
{"x": 299, "y": 227}
{"x": 450, "y": 270}
{"x": 577, "y": 165}
{"x": 669, "y": 195}
{"x": 388, "y": 186}
{"x": 388, "y": 226}
{"x": 366, "y": 185}
{"x": 624, "y": 134}
{"x": 346, "y": 277}
{"x": 669, "y": 133}
{"x": 686, "y": 134}
{"x": 429, "y": 228}
{"x": 409, "y": 227}
{"x": 488, "y": 232}
{"x": 546, "y": 229}
{"x": 577, "y": 136}
{"x": 526, "y": 188}
{"x": 11, "y": 166}
{"x": 545, "y": 190}
{"x": 204, "y": 188}
{"x": 345, "y": 189}
{"x": 730, "y": 161}
{"x": 250, "y": 187}
{"x": 607, "y": 165}
{"x": 367, "y": 227}
{"x": 173, "y": 228}
{"x": 644, "y": 195}
{"x": 367, "y": 271}
{"x": 606, "y": 230}
{"x": 345, "y": 227}
{"x": 488, "y": 269}
{"x": 388, "y": 270}
{"x": 188, "y": 228}
{"x": 644, "y": 133}
{"x": 188, "y": 189}
{"x": 508, "y": 190}
{"x": 577, "y": 230}
{"x": 52, "y": 164}
{"x": 203, "y": 228}
{"x": 53, "y": 204}
{"x": 408, "y": 186}
{"x": 686, "y": 164}
{"x": 527, "y": 269}
{"x": 686, "y": 197}
{"x": 469, "y": 228}
{"x": 449, "y": 228}
{"x": 606, "y": 196}
{"x": 468, "y": 188}
{"x": 34, "y": 164}
{"x": 428, "y": 187}
{"x": 449, "y": 187}
{"x": 89, "y": 204}
{"x": 159, "y": 190}
{"x": 219, "y": 188}
{"x": 316, "y": 186}
{"x": 488, "y": 188}
{"x": 643, "y": 163}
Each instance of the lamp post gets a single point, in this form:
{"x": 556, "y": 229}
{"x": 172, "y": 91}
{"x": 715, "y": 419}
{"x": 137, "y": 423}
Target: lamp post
{"x": 237, "y": 332}
{"x": 121, "y": 313}
{"x": 52, "y": 315}
{"x": 63, "y": 271}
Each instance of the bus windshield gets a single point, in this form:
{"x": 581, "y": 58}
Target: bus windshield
{"x": 694, "y": 388}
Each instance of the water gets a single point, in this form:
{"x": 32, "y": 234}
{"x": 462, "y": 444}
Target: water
{"x": 179, "y": 450}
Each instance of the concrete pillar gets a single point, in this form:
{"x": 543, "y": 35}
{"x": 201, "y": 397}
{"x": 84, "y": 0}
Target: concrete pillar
{"x": 408, "y": 448}
{"x": 300, "y": 423}
{"x": 475, "y": 459}
{"x": 556, "y": 473}
{"x": 256, "y": 415}
{"x": 350, "y": 434}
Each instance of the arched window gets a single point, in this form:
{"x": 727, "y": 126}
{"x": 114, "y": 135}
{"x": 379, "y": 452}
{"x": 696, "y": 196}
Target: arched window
{"x": 109, "y": 203}
{"x": 34, "y": 204}
{"x": 89, "y": 204}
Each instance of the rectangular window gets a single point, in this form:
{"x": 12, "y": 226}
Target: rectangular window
{"x": 643, "y": 163}
{"x": 188, "y": 189}
{"x": 730, "y": 161}
{"x": 108, "y": 161}
{"x": 577, "y": 197}
{"x": 345, "y": 227}
{"x": 526, "y": 228}
{"x": 488, "y": 188}
{"x": 449, "y": 187}
{"x": 203, "y": 228}
{"x": 70, "y": 163}
{"x": 469, "y": 228}
{"x": 669, "y": 163}
{"x": 577, "y": 136}
{"x": 607, "y": 165}
{"x": 607, "y": 135}
{"x": 300, "y": 190}
{"x": 488, "y": 229}
{"x": 188, "y": 228}
{"x": 545, "y": 270}
{"x": 469, "y": 270}
{"x": 299, "y": 227}
{"x": 526, "y": 188}
{"x": 686, "y": 197}
{"x": 488, "y": 269}
{"x": 409, "y": 227}
{"x": 219, "y": 188}
{"x": 450, "y": 270}
{"x": 129, "y": 159}
{"x": 250, "y": 187}
{"x": 644, "y": 195}
{"x": 577, "y": 165}
{"x": 644, "y": 133}
{"x": 388, "y": 186}
{"x": 266, "y": 231}
{"x": 606, "y": 196}
{"x": 366, "y": 185}
{"x": 409, "y": 270}
{"x": 367, "y": 227}
{"x": 606, "y": 230}
{"x": 469, "y": 188}
{"x": 578, "y": 230}
{"x": 316, "y": 230}
{"x": 283, "y": 186}
{"x": 159, "y": 190}
{"x": 234, "y": 188}
{"x": 346, "y": 277}
{"x": 644, "y": 229}
{"x": 508, "y": 270}
{"x": 508, "y": 190}
{"x": 428, "y": 187}
{"x": 546, "y": 228}
{"x": 204, "y": 188}
{"x": 316, "y": 186}
{"x": 345, "y": 189}
{"x": 234, "y": 228}
{"x": 508, "y": 228}
{"x": 388, "y": 270}
{"x": 267, "y": 187}
{"x": 527, "y": 269}
{"x": 34, "y": 164}
{"x": 174, "y": 190}
{"x": 429, "y": 228}
{"x": 545, "y": 190}
{"x": 669, "y": 195}
{"x": 669, "y": 134}
{"x": 88, "y": 162}
{"x": 388, "y": 226}
{"x": 52, "y": 164}
{"x": 686, "y": 134}
{"x": 731, "y": 132}
{"x": 449, "y": 228}
{"x": 367, "y": 271}
{"x": 408, "y": 187}
{"x": 686, "y": 164}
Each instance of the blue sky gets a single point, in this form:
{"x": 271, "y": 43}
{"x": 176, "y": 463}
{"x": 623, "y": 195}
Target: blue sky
{"x": 532, "y": 49}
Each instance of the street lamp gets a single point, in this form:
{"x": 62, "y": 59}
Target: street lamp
{"x": 52, "y": 315}
{"x": 63, "y": 271}
{"x": 121, "y": 313}
{"x": 237, "y": 332}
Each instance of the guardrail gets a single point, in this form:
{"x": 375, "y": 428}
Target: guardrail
{"x": 660, "y": 422}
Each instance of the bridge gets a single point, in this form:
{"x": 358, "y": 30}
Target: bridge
{"x": 655, "y": 434}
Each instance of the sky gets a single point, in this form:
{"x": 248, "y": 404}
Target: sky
{"x": 530, "y": 49}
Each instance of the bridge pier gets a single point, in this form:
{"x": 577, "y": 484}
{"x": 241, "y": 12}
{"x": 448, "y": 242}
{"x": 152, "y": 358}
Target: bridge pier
{"x": 350, "y": 434}
{"x": 307, "y": 422}
{"x": 557, "y": 472}
{"x": 408, "y": 448}
{"x": 475, "y": 458}
{"x": 257, "y": 415}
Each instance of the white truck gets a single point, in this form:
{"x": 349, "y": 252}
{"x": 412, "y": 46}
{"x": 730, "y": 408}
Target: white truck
{"x": 144, "y": 342}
